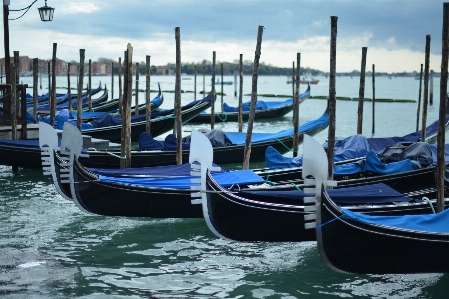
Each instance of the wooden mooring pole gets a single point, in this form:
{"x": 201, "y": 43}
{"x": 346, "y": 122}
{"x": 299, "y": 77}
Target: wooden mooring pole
{"x": 89, "y": 90}
{"x": 79, "y": 102}
{"x": 241, "y": 93}
{"x": 68, "y": 87}
{"x": 112, "y": 80}
{"x": 13, "y": 102}
{"x": 212, "y": 106}
{"x": 426, "y": 89}
{"x": 222, "y": 103}
{"x": 136, "y": 105}
{"x": 418, "y": 113}
{"x": 178, "y": 97}
{"x": 361, "y": 92}
{"x": 120, "y": 91}
{"x": 204, "y": 81}
{"x": 35, "y": 95}
{"x": 431, "y": 88}
{"x": 441, "y": 163}
{"x": 252, "y": 111}
{"x": 332, "y": 97}
{"x": 126, "y": 116}
{"x": 53, "y": 80}
{"x": 147, "y": 96}
{"x": 194, "y": 82}
{"x": 50, "y": 98}
{"x": 293, "y": 80}
{"x": 374, "y": 99}
{"x": 296, "y": 107}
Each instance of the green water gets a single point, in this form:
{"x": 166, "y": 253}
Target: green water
{"x": 50, "y": 249}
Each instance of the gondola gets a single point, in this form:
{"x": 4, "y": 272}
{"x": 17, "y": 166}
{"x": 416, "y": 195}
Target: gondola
{"x": 156, "y": 192}
{"x": 264, "y": 110}
{"x": 26, "y": 153}
{"x": 109, "y": 127}
{"x": 62, "y": 101}
{"x": 113, "y": 105}
{"x": 277, "y": 213}
{"x": 352, "y": 242}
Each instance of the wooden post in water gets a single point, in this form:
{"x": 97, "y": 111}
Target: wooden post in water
{"x": 50, "y": 99}
{"x": 252, "y": 110}
{"x": 419, "y": 99}
{"x": 293, "y": 80}
{"x": 443, "y": 108}
{"x": 120, "y": 91}
{"x": 212, "y": 106}
{"x": 90, "y": 85}
{"x": 13, "y": 102}
{"x": 147, "y": 96}
{"x": 332, "y": 97}
{"x": 136, "y": 109}
{"x": 17, "y": 62}
{"x": 194, "y": 82}
{"x": 53, "y": 80}
{"x": 204, "y": 81}
{"x": 374, "y": 98}
{"x": 222, "y": 103}
{"x": 361, "y": 92}
{"x": 79, "y": 102}
{"x": 431, "y": 88}
{"x": 68, "y": 87}
{"x": 426, "y": 89}
{"x": 178, "y": 97}
{"x": 241, "y": 93}
{"x": 112, "y": 80}
{"x": 126, "y": 106}
{"x": 296, "y": 107}
{"x": 35, "y": 95}
{"x": 235, "y": 83}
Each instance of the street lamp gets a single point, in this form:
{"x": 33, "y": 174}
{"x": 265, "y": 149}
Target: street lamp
{"x": 46, "y": 14}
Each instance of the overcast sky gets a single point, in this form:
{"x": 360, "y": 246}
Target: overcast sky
{"x": 393, "y": 30}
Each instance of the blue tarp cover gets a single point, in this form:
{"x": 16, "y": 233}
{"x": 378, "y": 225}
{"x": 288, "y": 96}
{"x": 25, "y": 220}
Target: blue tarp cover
{"x": 240, "y": 137}
{"x": 373, "y": 164}
{"x": 154, "y": 171}
{"x": 225, "y": 179}
{"x": 434, "y": 223}
{"x": 367, "y": 194}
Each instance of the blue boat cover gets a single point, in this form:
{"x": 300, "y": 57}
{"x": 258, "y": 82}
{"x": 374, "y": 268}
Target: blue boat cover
{"x": 225, "y": 179}
{"x": 373, "y": 164}
{"x": 432, "y": 223}
{"x": 115, "y": 120}
{"x": 240, "y": 137}
{"x": 367, "y": 194}
{"x": 153, "y": 171}
{"x": 264, "y": 105}
{"x": 353, "y": 147}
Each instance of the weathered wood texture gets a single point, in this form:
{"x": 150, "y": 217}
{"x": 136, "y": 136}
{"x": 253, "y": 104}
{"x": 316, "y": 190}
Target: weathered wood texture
{"x": 79, "y": 104}
{"x": 252, "y": 112}
{"x": 426, "y": 88}
{"x": 332, "y": 97}
{"x": 147, "y": 95}
{"x": 361, "y": 91}
{"x": 296, "y": 107}
{"x": 443, "y": 107}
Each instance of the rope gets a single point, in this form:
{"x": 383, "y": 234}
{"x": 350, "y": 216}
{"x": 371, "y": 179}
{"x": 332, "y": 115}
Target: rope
{"x": 117, "y": 156}
{"x": 289, "y": 149}
{"x": 222, "y": 119}
{"x": 297, "y": 188}
{"x": 429, "y": 202}
{"x": 323, "y": 224}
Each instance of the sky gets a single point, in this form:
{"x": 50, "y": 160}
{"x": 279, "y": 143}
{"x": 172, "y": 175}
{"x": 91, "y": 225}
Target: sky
{"x": 393, "y": 30}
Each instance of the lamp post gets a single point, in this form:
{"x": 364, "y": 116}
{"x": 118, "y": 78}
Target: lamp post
{"x": 46, "y": 14}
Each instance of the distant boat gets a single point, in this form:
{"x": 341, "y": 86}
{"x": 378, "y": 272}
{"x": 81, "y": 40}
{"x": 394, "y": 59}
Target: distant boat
{"x": 224, "y": 82}
{"x": 304, "y": 81}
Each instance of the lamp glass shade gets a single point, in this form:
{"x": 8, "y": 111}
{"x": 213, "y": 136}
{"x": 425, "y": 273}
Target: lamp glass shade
{"x": 46, "y": 13}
